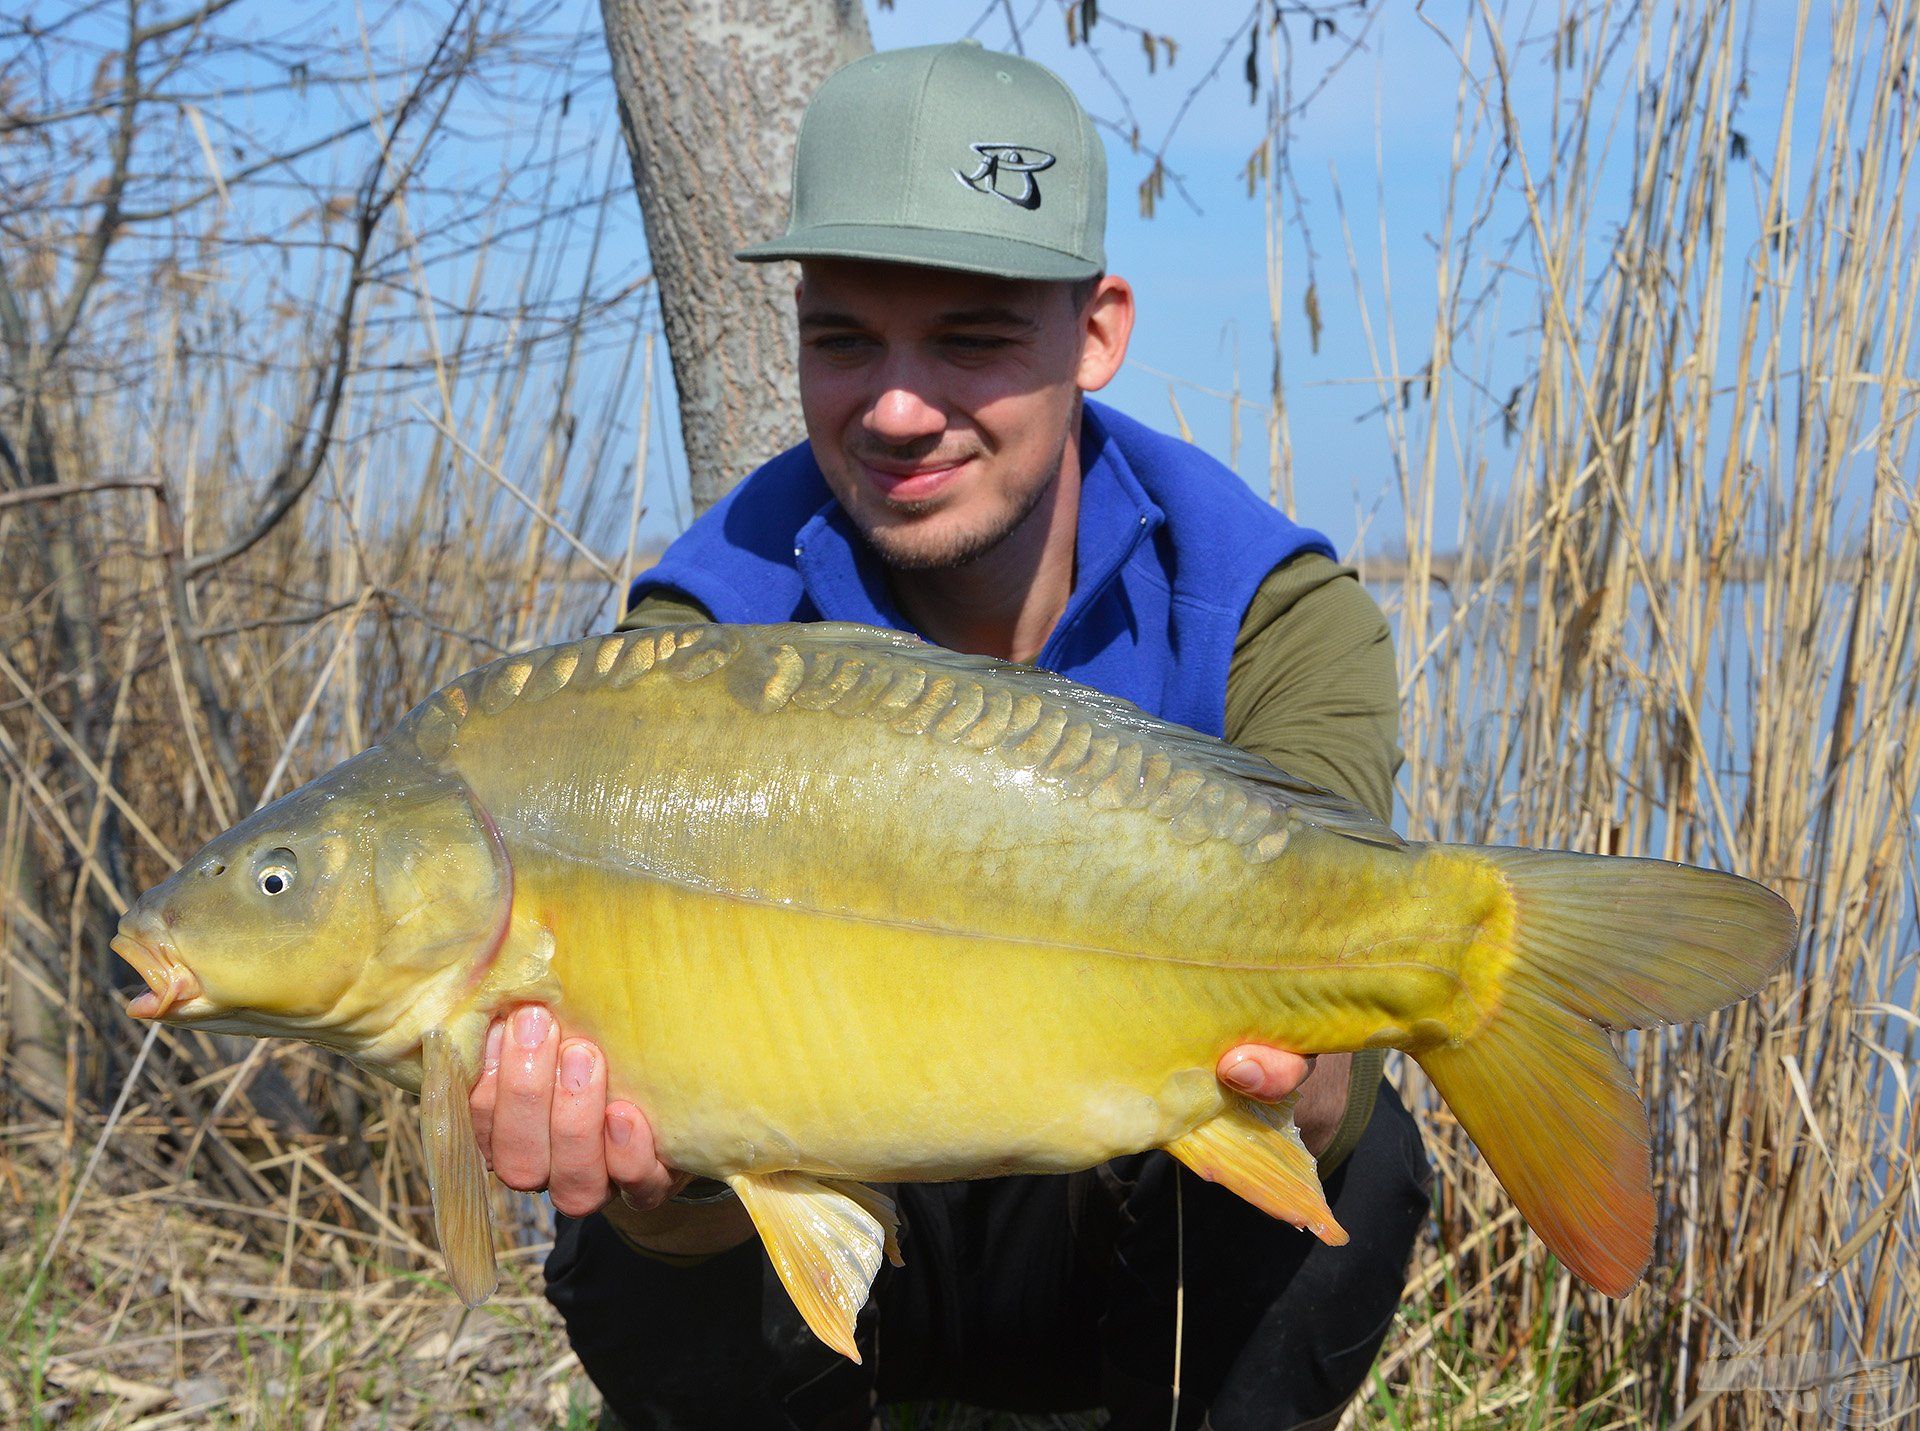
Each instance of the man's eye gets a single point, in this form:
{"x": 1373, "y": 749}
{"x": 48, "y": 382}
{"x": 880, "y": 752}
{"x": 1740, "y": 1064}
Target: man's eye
{"x": 975, "y": 342}
{"x": 839, "y": 342}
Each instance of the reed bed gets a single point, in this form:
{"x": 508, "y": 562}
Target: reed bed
{"x": 1689, "y": 631}
{"x": 1679, "y": 615}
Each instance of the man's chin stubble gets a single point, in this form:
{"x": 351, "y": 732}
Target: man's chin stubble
{"x": 909, "y": 549}
{"x": 902, "y": 552}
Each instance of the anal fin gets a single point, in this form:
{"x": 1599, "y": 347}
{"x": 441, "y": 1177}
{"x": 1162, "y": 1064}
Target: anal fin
{"x": 462, "y": 1217}
{"x": 825, "y": 1239}
{"x": 1255, "y": 1151}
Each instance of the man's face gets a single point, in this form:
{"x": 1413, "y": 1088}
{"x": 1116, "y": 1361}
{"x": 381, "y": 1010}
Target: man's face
{"x": 940, "y": 404}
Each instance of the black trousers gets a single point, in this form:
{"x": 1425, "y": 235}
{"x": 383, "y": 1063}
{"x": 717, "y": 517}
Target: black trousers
{"x": 1033, "y": 1293}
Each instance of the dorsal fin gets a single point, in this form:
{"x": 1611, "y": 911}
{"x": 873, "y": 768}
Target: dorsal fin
{"x": 612, "y": 661}
{"x": 1090, "y": 743}
{"x": 1085, "y": 718}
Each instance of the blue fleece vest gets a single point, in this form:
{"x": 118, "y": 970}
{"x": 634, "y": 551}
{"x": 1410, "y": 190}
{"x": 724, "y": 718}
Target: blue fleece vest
{"x": 1172, "y": 546}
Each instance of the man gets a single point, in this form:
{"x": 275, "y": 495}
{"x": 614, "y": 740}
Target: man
{"x": 949, "y": 205}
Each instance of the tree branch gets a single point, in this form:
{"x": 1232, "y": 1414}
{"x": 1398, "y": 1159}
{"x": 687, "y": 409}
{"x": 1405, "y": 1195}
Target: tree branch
{"x": 53, "y": 491}
{"x": 93, "y": 252}
{"x": 147, "y": 34}
{"x": 312, "y": 437}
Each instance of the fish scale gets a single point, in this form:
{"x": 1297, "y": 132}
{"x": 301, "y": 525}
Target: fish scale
{"x": 842, "y": 907}
{"x": 1028, "y": 731}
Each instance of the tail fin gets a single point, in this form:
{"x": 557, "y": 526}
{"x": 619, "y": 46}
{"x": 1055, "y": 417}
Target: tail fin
{"x": 1597, "y": 942}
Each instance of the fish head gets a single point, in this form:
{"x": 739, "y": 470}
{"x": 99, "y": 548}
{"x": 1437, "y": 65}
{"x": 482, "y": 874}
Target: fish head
{"x": 327, "y": 912}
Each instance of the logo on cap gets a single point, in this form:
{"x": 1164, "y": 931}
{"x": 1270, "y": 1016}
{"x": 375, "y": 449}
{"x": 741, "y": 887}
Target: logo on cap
{"x": 1008, "y": 159}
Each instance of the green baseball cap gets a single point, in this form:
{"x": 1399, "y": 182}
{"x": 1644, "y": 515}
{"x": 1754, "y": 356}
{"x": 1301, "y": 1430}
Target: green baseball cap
{"x": 948, "y": 156}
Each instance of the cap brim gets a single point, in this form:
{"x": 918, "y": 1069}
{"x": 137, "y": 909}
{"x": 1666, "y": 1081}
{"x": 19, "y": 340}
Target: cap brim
{"x": 926, "y": 248}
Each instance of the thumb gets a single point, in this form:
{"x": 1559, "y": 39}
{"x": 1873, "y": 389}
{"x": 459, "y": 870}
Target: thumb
{"x": 1263, "y": 1073}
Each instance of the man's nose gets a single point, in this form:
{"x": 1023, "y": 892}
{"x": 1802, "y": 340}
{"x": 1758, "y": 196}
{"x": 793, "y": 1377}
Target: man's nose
{"x": 903, "y": 410}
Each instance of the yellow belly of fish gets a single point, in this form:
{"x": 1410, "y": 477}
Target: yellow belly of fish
{"x": 759, "y": 1037}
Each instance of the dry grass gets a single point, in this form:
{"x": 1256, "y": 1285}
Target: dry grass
{"x": 1680, "y": 616}
{"x": 173, "y": 1308}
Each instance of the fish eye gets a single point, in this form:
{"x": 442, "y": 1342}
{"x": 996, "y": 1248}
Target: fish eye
{"x": 276, "y": 872}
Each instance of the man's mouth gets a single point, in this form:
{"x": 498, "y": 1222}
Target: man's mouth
{"x": 169, "y": 982}
{"x": 912, "y": 482}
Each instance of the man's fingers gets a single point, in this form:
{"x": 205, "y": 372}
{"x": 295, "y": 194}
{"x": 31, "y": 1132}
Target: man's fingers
{"x": 632, "y": 1163}
{"x": 629, "y": 1146}
{"x": 486, "y": 1090}
{"x": 541, "y": 1116}
{"x": 524, "y": 1099}
{"x": 1268, "y": 1074}
{"x": 577, "y": 1178}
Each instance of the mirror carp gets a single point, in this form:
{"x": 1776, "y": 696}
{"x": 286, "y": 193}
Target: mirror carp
{"x": 843, "y": 908}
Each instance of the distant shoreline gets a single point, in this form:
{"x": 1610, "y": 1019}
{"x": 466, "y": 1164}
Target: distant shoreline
{"x": 1444, "y": 568}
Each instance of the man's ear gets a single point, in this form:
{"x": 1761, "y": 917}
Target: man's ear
{"x": 1106, "y": 325}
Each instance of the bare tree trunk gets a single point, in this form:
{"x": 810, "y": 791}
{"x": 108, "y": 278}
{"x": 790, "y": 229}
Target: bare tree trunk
{"x": 710, "y": 98}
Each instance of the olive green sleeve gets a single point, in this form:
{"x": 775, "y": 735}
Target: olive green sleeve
{"x": 1314, "y": 689}
{"x": 1313, "y": 686}
{"x": 663, "y": 607}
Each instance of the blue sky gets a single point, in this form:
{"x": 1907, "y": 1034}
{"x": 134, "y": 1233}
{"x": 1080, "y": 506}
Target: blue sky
{"x": 1380, "y": 127}
{"x": 1382, "y": 130}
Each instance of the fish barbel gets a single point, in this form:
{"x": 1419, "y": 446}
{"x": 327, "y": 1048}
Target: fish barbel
{"x": 843, "y": 908}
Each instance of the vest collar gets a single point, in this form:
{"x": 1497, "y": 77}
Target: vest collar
{"x": 845, "y": 579}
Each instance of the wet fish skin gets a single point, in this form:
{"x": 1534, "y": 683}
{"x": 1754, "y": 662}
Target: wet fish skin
{"x": 841, "y": 907}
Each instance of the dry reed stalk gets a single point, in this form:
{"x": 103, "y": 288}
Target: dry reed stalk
{"x": 1699, "y": 625}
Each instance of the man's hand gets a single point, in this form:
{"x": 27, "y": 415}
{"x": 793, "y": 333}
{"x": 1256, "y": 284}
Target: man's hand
{"x": 1270, "y": 1074}
{"x": 541, "y": 1114}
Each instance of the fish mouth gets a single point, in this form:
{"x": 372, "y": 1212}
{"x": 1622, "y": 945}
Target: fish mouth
{"x": 169, "y": 982}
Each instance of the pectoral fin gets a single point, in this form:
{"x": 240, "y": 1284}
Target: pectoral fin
{"x": 880, "y": 1208}
{"x": 1255, "y": 1151}
{"x": 456, "y": 1172}
{"x": 825, "y": 1240}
